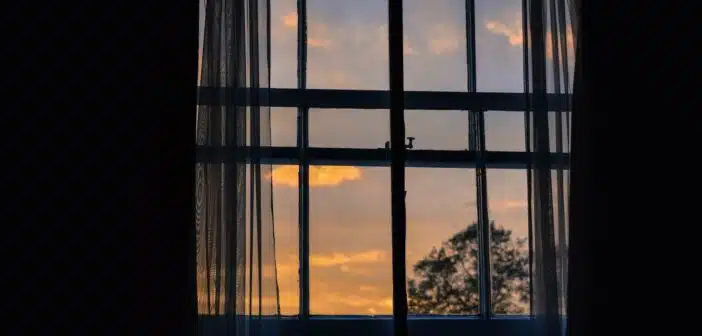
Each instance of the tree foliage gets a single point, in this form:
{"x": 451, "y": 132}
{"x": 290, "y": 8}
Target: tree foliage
{"x": 446, "y": 280}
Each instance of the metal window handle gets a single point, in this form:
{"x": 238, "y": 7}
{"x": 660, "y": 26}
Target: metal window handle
{"x": 411, "y": 143}
{"x": 408, "y": 146}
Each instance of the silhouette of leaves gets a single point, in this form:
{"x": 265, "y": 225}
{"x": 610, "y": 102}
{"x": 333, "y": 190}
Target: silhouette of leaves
{"x": 446, "y": 282}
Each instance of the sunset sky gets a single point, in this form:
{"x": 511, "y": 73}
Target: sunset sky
{"x": 350, "y": 206}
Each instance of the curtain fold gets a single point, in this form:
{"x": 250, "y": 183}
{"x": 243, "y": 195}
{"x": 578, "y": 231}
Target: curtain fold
{"x": 550, "y": 62}
{"x": 237, "y": 280}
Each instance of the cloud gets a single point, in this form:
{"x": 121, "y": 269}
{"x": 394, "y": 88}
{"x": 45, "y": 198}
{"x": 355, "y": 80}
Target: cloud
{"x": 318, "y": 34}
{"x": 320, "y": 176}
{"x": 338, "y": 289}
{"x": 338, "y": 300}
{"x": 444, "y": 39}
{"x": 339, "y": 259}
{"x": 508, "y": 205}
{"x": 367, "y": 288}
{"x": 290, "y": 20}
{"x": 515, "y": 204}
{"x": 282, "y": 270}
{"x": 514, "y": 34}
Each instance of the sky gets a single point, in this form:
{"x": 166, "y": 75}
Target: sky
{"x": 350, "y": 241}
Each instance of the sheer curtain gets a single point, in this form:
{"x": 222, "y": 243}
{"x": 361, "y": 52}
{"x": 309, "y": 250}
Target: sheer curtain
{"x": 550, "y": 56}
{"x": 236, "y": 269}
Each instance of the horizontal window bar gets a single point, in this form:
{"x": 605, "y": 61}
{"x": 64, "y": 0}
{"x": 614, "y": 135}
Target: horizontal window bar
{"x": 367, "y": 99}
{"x": 370, "y": 326}
{"x": 371, "y": 157}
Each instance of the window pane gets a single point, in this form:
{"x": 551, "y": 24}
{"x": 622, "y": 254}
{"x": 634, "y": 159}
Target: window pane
{"x": 347, "y": 44}
{"x": 346, "y": 128}
{"x": 509, "y": 252}
{"x": 350, "y": 242}
{"x": 505, "y": 131}
{"x": 438, "y": 129}
{"x": 285, "y": 211}
{"x": 283, "y": 43}
{"x": 435, "y": 45}
{"x": 499, "y": 52}
{"x": 441, "y": 241}
{"x": 283, "y": 126}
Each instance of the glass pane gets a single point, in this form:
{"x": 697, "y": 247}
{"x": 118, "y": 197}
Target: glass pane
{"x": 285, "y": 211}
{"x": 441, "y": 241}
{"x": 350, "y": 242}
{"x": 283, "y": 126}
{"x": 283, "y": 43}
{"x": 347, "y": 44}
{"x": 346, "y": 128}
{"x": 435, "y": 45}
{"x": 437, "y": 129}
{"x": 499, "y": 48}
{"x": 509, "y": 252}
{"x": 505, "y": 131}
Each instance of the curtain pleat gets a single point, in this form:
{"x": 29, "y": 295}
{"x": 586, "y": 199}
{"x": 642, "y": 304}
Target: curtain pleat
{"x": 550, "y": 61}
{"x": 237, "y": 278}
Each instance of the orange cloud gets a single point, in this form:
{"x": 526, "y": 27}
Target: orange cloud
{"x": 366, "y": 288}
{"x": 516, "y": 38}
{"x": 445, "y": 40}
{"x": 333, "y": 300}
{"x": 513, "y": 204}
{"x": 290, "y": 20}
{"x": 317, "y": 33}
{"x": 332, "y": 294}
{"x": 339, "y": 259}
{"x": 320, "y": 176}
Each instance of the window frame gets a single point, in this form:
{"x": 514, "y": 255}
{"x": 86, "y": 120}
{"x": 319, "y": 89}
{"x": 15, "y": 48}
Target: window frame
{"x": 304, "y": 156}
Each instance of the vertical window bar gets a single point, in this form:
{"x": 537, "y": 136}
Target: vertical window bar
{"x": 397, "y": 166}
{"x": 483, "y": 219}
{"x": 477, "y": 138}
{"x": 303, "y": 175}
{"x": 470, "y": 44}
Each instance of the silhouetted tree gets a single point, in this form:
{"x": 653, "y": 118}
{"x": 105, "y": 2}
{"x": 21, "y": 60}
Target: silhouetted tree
{"x": 446, "y": 280}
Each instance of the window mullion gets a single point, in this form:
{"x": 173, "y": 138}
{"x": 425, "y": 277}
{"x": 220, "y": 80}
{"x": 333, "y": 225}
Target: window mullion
{"x": 303, "y": 175}
{"x": 476, "y": 137}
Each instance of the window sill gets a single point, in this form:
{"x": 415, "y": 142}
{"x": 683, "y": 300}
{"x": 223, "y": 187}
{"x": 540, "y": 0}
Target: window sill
{"x": 382, "y": 325}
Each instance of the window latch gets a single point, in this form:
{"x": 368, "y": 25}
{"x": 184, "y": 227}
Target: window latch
{"x": 410, "y": 145}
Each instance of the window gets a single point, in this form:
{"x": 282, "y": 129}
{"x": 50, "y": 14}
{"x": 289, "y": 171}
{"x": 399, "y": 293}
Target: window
{"x": 464, "y": 80}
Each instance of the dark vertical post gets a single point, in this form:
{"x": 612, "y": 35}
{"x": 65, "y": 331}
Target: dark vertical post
{"x": 397, "y": 167}
{"x": 476, "y": 132}
{"x": 303, "y": 175}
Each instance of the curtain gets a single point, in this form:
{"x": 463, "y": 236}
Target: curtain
{"x": 236, "y": 269}
{"x": 550, "y": 58}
